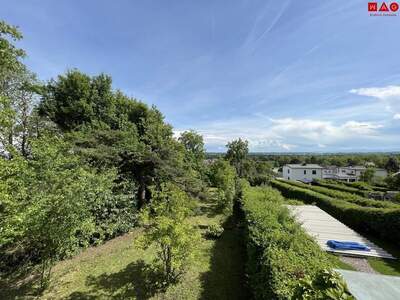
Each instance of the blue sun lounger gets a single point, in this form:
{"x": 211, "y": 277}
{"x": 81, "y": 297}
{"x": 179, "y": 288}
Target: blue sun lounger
{"x": 338, "y": 245}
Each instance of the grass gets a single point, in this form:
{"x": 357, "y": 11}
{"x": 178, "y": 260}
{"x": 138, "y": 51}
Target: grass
{"x": 385, "y": 266}
{"x": 119, "y": 270}
{"x": 338, "y": 264}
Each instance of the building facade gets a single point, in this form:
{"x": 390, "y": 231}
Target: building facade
{"x": 309, "y": 172}
{"x": 305, "y": 173}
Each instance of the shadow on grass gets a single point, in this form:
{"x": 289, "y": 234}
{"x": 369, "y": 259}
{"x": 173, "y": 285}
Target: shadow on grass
{"x": 226, "y": 279}
{"x": 23, "y": 284}
{"x": 136, "y": 281}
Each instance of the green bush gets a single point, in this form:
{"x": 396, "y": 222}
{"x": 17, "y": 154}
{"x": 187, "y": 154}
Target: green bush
{"x": 341, "y": 187}
{"x": 382, "y": 222}
{"x": 346, "y": 196}
{"x": 280, "y": 253}
{"x": 214, "y": 231}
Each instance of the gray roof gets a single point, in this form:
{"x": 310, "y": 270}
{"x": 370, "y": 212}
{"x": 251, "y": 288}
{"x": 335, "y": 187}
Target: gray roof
{"x": 308, "y": 166}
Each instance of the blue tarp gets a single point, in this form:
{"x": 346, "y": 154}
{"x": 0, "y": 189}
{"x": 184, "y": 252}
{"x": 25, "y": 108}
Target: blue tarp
{"x": 338, "y": 245}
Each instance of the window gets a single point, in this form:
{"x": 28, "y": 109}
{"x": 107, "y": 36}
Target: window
{"x": 305, "y": 172}
{"x": 314, "y": 172}
{"x": 288, "y": 178}
{"x": 288, "y": 171}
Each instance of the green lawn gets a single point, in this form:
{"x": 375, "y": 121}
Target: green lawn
{"x": 119, "y": 270}
{"x": 338, "y": 264}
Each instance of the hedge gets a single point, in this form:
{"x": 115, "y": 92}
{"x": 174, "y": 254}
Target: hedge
{"x": 281, "y": 256}
{"x": 340, "y": 187}
{"x": 359, "y": 187}
{"x": 346, "y": 196}
{"x": 384, "y": 223}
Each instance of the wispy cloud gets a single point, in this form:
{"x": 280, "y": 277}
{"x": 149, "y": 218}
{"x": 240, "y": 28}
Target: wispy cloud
{"x": 389, "y": 95}
{"x": 287, "y": 134}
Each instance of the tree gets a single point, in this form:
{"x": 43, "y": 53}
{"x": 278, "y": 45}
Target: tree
{"x": 237, "y": 153}
{"x": 10, "y": 55}
{"x": 393, "y": 181}
{"x": 368, "y": 175}
{"x": 194, "y": 145}
{"x": 50, "y": 202}
{"x": 176, "y": 239}
{"x": 392, "y": 165}
{"x": 147, "y": 155}
{"x": 223, "y": 176}
{"x": 194, "y": 153}
{"x": 257, "y": 172}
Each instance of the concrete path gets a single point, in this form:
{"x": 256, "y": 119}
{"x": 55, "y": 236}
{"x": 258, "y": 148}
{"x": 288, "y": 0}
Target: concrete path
{"x": 324, "y": 227}
{"x": 364, "y": 286}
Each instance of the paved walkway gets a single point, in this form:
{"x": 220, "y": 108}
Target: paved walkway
{"x": 364, "y": 286}
{"x": 324, "y": 227}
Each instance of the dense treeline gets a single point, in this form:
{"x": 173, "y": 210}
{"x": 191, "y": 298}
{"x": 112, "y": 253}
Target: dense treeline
{"x": 388, "y": 161}
{"x": 78, "y": 160}
{"x": 283, "y": 261}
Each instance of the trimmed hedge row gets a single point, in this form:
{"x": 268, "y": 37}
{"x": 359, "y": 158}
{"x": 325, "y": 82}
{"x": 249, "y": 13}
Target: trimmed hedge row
{"x": 359, "y": 187}
{"x": 281, "y": 256}
{"x": 381, "y": 222}
{"x": 349, "y": 197}
{"x": 365, "y": 186}
{"x": 339, "y": 187}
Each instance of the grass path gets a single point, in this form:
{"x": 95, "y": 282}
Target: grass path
{"x": 118, "y": 270}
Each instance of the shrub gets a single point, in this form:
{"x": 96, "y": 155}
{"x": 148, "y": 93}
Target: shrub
{"x": 382, "y": 222}
{"x": 341, "y": 187}
{"x": 170, "y": 231}
{"x": 280, "y": 253}
{"x": 346, "y": 196}
{"x": 214, "y": 231}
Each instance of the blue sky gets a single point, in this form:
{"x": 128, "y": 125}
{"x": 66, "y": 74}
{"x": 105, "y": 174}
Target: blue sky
{"x": 286, "y": 75}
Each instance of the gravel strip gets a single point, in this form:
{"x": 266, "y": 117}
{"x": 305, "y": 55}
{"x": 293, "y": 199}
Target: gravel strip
{"x": 360, "y": 264}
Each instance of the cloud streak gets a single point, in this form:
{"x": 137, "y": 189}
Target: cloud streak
{"x": 288, "y": 134}
{"x": 388, "y": 95}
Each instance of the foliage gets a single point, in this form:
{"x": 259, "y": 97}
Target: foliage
{"x": 280, "y": 253}
{"x": 223, "y": 176}
{"x": 334, "y": 185}
{"x": 368, "y": 175}
{"x": 52, "y": 204}
{"x": 382, "y": 222}
{"x": 194, "y": 145}
{"x": 10, "y": 55}
{"x": 392, "y": 165}
{"x": 237, "y": 153}
{"x": 348, "y": 197}
{"x": 214, "y": 231}
{"x": 328, "y": 285}
{"x": 257, "y": 172}
{"x": 170, "y": 230}
{"x": 393, "y": 182}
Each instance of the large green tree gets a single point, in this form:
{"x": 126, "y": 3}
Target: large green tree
{"x": 392, "y": 164}
{"x": 237, "y": 153}
{"x": 111, "y": 129}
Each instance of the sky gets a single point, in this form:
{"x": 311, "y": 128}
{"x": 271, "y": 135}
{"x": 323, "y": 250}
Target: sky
{"x": 287, "y": 75}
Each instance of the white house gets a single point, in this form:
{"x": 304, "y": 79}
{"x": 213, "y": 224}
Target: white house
{"x": 302, "y": 172}
{"x": 308, "y": 172}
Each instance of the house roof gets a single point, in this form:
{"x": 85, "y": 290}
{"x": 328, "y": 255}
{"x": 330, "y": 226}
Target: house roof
{"x": 307, "y": 166}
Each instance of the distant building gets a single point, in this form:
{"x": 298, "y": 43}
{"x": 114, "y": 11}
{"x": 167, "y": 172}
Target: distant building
{"x": 302, "y": 172}
{"x": 352, "y": 173}
{"x": 309, "y": 172}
